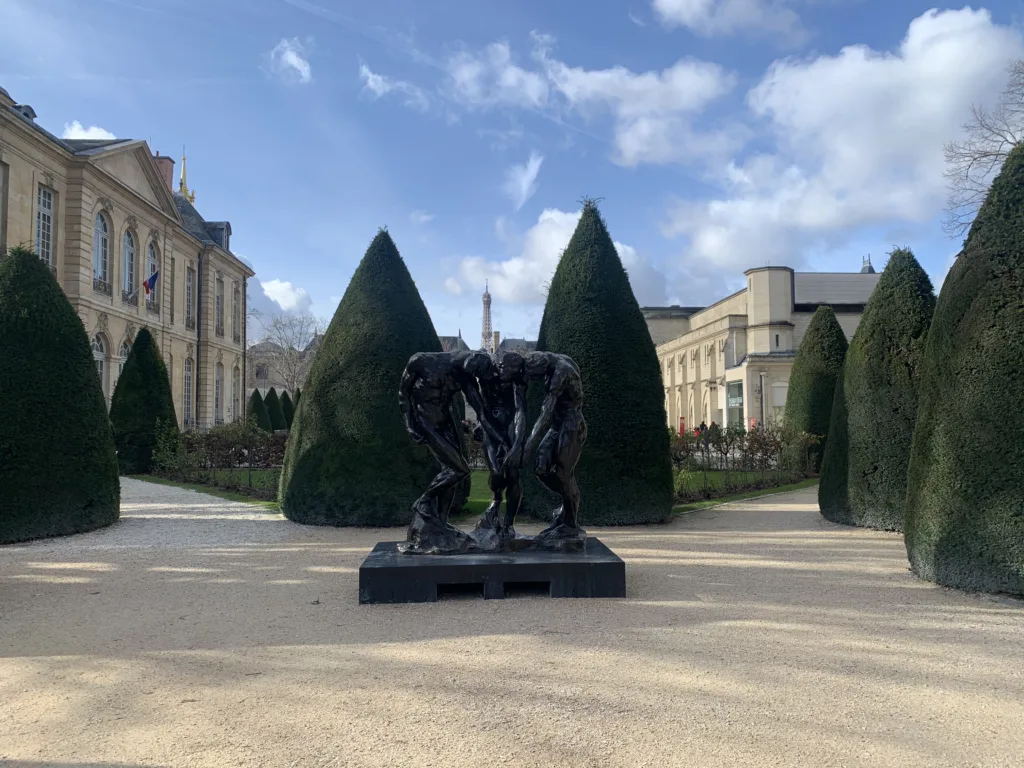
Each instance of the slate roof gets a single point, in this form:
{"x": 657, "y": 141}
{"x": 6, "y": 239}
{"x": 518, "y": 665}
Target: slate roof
{"x": 453, "y": 344}
{"x": 512, "y": 344}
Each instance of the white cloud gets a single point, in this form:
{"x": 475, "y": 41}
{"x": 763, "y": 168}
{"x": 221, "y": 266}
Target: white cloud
{"x": 379, "y": 86}
{"x": 524, "y": 278}
{"x": 75, "y": 130}
{"x": 489, "y": 79}
{"x": 289, "y": 60}
{"x": 521, "y": 180}
{"x": 287, "y": 296}
{"x": 723, "y": 17}
{"x": 421, "y": 217}
{"x": 452, "y": 286}
{"x": 636, "y": 20}
{"x": 859, "y": 140}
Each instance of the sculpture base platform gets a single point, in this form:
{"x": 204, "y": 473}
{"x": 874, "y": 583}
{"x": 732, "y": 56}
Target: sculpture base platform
{"x": 388, "y": 576}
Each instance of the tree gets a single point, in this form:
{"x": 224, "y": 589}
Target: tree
{"x": 257, "y": 410}
{"x": 349, "y": 460}
{"x": 972, "y": 162}
{"x": 964, "y": 523}
{"x": 58, "y": 467}
{"x": 274, "y": 410}
{"x": 591, "y": 315}
{"x": 142, "y": 399}
{"x": 864, "y": 471}
{"x": 287, "y": 409}
{"x": 812, "y": 382}
{"x": 287, "y": 345}
{"x": 295, "y": 400}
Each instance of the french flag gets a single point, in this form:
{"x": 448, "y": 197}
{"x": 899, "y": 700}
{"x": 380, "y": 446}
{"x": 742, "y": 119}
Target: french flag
{"x": 151, "y": 282}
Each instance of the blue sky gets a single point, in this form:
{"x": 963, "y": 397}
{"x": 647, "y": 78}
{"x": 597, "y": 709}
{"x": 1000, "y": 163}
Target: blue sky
{"x": 721, "y": 134}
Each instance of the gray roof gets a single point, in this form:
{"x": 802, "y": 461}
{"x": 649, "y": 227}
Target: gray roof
{"x": 509, "y": 344}
{"x": 194, "y": 222}
{"x": 453, "y": 344}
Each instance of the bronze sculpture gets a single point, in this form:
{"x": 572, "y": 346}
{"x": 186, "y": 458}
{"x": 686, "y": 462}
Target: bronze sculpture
{"x": 496, "y": 390}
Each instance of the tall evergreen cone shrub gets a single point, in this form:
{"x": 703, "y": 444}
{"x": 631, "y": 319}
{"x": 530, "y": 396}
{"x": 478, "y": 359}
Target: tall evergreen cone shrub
{"x": 591, "y": 315}
{"x": 287, "y": 409}
{"x": 812, "y": 382}
{"x": 349, "y": 460}
{"x": 142, "y": 400}
{"x": 258, "y": 410}
{"x": 58, "y": 469}
{"x": 295, "y": 400}
{"x": 273, "y": 403}
{"x": 864, "y": 471}
{"x": 965, "y": 485}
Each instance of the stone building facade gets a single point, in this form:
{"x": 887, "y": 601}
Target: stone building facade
{"x": 729, "y": 363}
{"x": 104, "y": 216}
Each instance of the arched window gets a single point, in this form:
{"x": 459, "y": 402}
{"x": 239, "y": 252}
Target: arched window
{"x": 101, "y": 249}
{"x": 236, "y": 388}
{"x": 261, "y": 371}
{"x": 218, "y": 393}
{"x": 151, "y": 260}
{"x": 125, "y": 350}
{"x": 99, "y": 354}
{"x": 186, "y": 393}
{"x": 128, "y": 264}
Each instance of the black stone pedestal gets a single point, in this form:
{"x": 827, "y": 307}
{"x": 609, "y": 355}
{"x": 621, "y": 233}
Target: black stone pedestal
{"x": 388, "y": 576}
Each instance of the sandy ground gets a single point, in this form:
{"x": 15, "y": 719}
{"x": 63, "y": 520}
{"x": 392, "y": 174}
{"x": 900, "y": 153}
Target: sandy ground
{"x": 198, "y": 632}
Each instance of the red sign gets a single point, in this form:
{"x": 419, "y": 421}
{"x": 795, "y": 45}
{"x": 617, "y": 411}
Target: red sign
{"x": 753, "y": 422}
{"x": 682, "y": 425}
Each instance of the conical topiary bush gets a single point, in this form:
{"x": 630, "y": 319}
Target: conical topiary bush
{"x": 349, "y": 460}
{"x": 591, "y": 315}
{"x": 965, "y": 485}
{"x": 142, "y": 401}
{"x": 257, "y": 410}
{"x": 58, "y": 468}
{"x": 274, "y": 410}
{"x": 287, "y": 409}
{"x": 812, "y": 381}
{"x": 295, "y": 400}
{"x": 864, "y": 471}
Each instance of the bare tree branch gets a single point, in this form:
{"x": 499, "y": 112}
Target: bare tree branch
{"x": 973, "y": 162}
{"x": 288, "y": 352}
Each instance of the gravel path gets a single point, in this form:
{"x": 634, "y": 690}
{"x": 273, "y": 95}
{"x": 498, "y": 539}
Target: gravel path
{"x": 199, "y": 632}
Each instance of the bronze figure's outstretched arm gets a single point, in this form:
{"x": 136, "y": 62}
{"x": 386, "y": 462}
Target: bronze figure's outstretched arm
{"x": 544, "y": 422}
{"x": 476, "y": 399}
{"x": 405, "y": 402}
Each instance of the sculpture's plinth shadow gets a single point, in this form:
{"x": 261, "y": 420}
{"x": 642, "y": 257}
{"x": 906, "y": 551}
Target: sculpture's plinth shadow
{"x": 390, "y": 576}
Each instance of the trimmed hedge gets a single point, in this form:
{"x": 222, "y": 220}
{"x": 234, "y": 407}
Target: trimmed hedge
{"x": 58, "y": 468}
{"x": 142, "y": 401}
{"x": 287, "y": 409}
{"x": 274, "y": 410}
{"x": 295, "y": 400}
{"x": 812, "y": 381}
{"x": 965, "y": 485}
{"x": 591, "y": 315}
{"x": 864, "y": 472}
{"x": 349, "y": 460}
{"x": 257, "y": 409}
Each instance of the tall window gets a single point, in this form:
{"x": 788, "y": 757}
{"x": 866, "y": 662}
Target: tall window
{"x": 172, "y": 290}
{"x": 100, "y": 249}
{"x": 99, "y": 354}
{"x": 218, "y": 393}
{"x": 186, "y": 394}
{"x": 236, "y": 308}
{"x": 127, "y": 265}
{"x": 151, "y": 266}
{"x": 126, "y": 349}
{"x": 44, "y": 225}
{"x": 219, "y": 308}
{"x": 190, "y": 280}
{"x": 236, "y": 389}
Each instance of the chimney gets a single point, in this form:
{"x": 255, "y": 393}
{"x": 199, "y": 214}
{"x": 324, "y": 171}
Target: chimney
{"x": 166, "y": 167}
{"x": 497, "y": 340}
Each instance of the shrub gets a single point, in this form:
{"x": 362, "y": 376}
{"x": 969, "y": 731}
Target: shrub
{"x": 812, "y": 382}
{"x": 142, "y": 399}
{"x": 295, "y": 400}
{"x": 965, "y": 484}
{"x": 864, "y": 471}
{"x": 274, "y": 410}
{"x": 349, "y": 460}
{"x": 591, "y": 315}
{"x": 287, "y": 409}
{"x": 257, "y": 410}
{"x": 58, "y": 469}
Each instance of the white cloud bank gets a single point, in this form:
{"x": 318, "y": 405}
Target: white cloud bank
{"x": 712, "y": 18}
{"x": 378, "y": 85}
{"x": 287, "y": 296}
{"x": 75, "y": 130}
